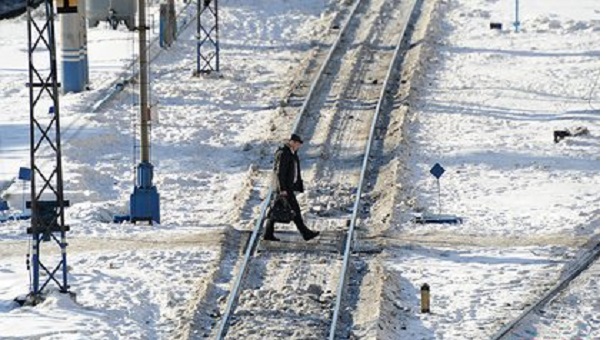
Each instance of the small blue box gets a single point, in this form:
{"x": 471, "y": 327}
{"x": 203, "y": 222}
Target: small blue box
{"x": 25, "y": 174}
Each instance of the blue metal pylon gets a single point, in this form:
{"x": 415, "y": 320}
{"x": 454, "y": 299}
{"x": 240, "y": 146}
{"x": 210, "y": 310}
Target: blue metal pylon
{"x": 48, "y": 219}
{"x": 208, "y": 36}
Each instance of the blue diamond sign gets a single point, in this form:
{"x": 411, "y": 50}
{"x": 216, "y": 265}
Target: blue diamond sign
{"x": 437, "y": 170}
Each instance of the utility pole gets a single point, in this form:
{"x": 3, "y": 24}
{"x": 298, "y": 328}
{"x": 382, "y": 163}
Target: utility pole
{"x": 516, "y": 23}
{"x": 143, "y": 80}
{"x": 47, "y": 203}
{"x": 84, "y": 42}
{"x": 145, "y": 200}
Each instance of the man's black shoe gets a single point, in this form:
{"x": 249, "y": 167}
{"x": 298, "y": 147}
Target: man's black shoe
{"x": 311, "y": 235}
{"x": 270, "y": 238}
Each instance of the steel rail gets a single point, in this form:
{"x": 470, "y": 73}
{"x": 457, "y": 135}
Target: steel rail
{"x": 588, "y": 259}
{"x": 234, "y": 293}
{"x": 354, "y": 215}
{"x": 315, "y": 82}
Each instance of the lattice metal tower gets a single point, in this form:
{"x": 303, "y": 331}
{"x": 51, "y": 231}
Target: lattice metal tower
{"x": 208, "y": 36}
{"x": 47, "y": 202}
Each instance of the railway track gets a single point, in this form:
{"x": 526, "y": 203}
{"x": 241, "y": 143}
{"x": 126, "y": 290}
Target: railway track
{"x": 297, "y": 289}
{"x": 587, "y": 262}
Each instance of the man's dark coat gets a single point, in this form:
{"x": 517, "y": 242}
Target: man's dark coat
{"x": 286, "y": 165}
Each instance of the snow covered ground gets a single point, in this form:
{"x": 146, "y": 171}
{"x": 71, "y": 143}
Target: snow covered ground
{"x": 574, "y": 314}
{"x": 492, "y": 131}
{"x": 135, "y": 281}
{"x": 485, "y": 109}
{"x": 470, "y": 288}
{"x": 138, "y": 293}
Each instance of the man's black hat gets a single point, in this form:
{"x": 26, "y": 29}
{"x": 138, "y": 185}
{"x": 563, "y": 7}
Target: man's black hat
{"x": 296, "y": 138}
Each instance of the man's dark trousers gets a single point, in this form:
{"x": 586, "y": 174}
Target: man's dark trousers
{"x": 294, "y": 205}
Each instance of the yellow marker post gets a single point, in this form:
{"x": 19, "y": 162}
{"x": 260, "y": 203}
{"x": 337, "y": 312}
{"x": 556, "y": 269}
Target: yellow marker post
{"x": 425, "y": 298}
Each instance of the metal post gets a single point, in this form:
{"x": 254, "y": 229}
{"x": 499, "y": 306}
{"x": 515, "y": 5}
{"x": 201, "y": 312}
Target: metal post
{"x": 63, "y": 246}
{"x": 172, "y": 15}
{"x": 207, "y": 36}
{"x": 144, "y": 201}
{"x": 217, "y": 34}
{"x": 23, "y": 201}
{"x": 439, "y": 197}
{"x": 143, "y": 105}
{"x": 35, "y": 265}
{"x": 425, "y": 298}
{"x": 198, "y": 34}
{"x": 84, "y": 43}
{"x": 47, "y": 202}
{"x": 163, "y": 26}
{"x": 516, "y": 23}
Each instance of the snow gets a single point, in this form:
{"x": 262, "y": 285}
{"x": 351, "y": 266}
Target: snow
{"x": 155, "y": 286}
{"x": 485, "y": 109}
{"x": 469, "y": 288}
{"x": 571, "y": 315}
{"x": 486, "y": 113}
{"x": 492, "y": 131}
{"x": 122, "y": 288}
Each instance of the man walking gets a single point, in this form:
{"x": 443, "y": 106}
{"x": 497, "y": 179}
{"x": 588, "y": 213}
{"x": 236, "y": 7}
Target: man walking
{"x": 287, "y": 181}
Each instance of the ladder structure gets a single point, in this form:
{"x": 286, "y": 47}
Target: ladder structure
{"x": 47, "y": 203}
{"x": 207, "y": 37}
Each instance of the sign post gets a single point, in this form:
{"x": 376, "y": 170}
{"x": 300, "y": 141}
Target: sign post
{"x": 516, "y": 23}
{"x": 437, "y": 171}
{"x": 425, "y": 217}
